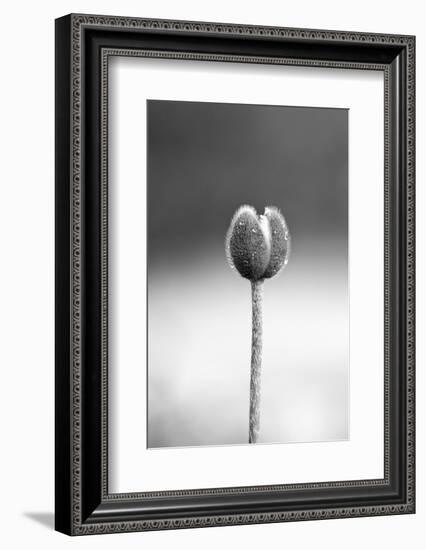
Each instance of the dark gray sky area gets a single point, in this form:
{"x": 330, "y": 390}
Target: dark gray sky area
{"x": 206, "y": 159}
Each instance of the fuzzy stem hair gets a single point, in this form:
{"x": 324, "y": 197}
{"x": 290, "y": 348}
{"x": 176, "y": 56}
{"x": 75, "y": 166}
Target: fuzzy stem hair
{"x": 256, "y": 360}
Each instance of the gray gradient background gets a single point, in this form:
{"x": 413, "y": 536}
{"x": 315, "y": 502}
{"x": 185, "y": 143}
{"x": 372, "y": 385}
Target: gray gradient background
{"x": 205, "y": 160}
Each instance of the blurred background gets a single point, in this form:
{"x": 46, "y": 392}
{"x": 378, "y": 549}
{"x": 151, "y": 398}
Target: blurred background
{"x": 204, "y": 161}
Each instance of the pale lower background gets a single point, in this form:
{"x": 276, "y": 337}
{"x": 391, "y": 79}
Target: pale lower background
{"x": 26, "y": 227}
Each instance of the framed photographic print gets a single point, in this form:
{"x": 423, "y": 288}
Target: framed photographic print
{"x": 234, "y": 274}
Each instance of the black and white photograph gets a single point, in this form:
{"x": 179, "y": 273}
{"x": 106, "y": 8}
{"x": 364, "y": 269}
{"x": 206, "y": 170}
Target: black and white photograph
{"x": 234, "y": 304}
{"x": 211, "y": 240}
{"x": 248, "y": 301}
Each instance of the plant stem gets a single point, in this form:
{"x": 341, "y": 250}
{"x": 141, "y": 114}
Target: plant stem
{"x": 256, "y": 359}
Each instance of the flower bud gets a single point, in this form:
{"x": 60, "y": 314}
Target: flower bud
{"x": 257, "y": 246}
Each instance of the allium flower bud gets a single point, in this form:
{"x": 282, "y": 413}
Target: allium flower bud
{"x": 258, "y": 246}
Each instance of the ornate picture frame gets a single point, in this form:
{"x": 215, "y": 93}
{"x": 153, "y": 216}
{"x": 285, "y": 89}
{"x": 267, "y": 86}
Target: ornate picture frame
{"x": 84, "y": 46}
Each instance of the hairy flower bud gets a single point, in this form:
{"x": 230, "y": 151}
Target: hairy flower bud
{"x": 258, "y": 246}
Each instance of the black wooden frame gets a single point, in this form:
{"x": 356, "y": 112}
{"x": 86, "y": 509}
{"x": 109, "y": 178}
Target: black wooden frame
{"x": 83, "y": 46}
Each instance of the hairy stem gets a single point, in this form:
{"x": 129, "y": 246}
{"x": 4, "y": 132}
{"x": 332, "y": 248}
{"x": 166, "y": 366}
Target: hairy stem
{"x": 256, "y": 360}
